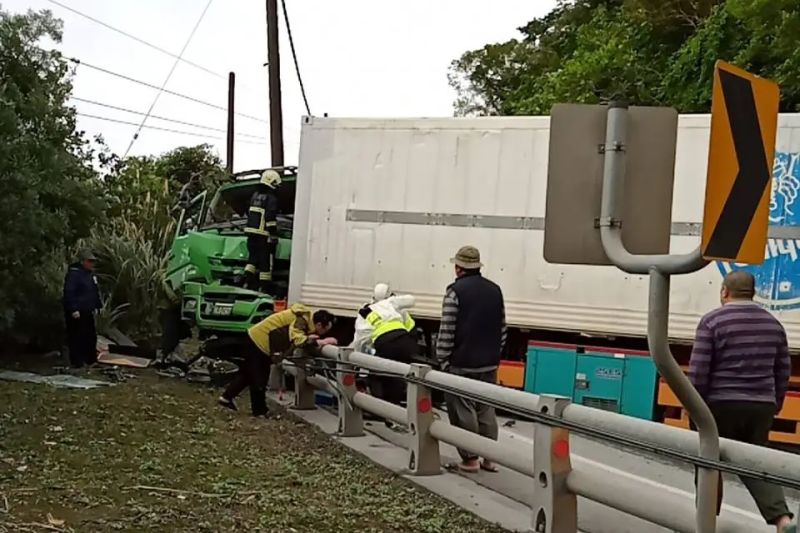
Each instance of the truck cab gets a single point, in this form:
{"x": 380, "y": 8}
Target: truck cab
{"x": 205, "y": 266}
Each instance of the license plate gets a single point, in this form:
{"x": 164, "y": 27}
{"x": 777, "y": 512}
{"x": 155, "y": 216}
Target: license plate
{"x": 222, "y": 309}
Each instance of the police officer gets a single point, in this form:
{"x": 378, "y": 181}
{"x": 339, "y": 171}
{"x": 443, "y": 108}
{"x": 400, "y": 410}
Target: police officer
{"x": 262, "y": 234}
{"x": 81, "y": 301}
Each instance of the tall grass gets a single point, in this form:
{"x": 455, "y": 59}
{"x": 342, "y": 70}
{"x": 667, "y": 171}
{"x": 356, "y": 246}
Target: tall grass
{"x": 131, "y": 250}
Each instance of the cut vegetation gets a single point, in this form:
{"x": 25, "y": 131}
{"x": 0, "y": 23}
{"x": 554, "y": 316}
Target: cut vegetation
{"x": 153, "y": 454}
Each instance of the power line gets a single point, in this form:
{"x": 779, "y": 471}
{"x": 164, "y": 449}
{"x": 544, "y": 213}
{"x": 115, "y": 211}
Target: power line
{"x": 167, "y": 119}
{"x": 168, "y": 130}
{"x": 294, "y": 56}
{"x": 167, "y": 91}
{"x": 137, "y": 39}
{"x": 169, "y": 75}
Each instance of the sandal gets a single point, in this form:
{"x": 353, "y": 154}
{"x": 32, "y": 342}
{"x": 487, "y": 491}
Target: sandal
{"x": 462, "y": 467}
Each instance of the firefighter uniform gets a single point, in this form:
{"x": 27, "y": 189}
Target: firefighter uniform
{"x": 393, "y": 339}
{"x": 278, "y": 334}
{"x": 262, "y": 234}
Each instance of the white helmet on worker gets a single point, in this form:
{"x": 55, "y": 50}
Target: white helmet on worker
{"x": 380, "y": 292}
{"x": 271, "y": 178}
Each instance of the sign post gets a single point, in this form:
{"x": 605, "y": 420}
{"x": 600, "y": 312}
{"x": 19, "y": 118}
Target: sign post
{"x": 743, "y": 128}
{"x": 744, "y": 123}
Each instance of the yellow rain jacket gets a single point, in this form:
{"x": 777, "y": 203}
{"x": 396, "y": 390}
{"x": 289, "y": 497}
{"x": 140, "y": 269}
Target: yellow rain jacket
{"x": 283, "y": 331}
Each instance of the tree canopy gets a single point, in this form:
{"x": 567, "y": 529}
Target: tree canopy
{"x": 60, "y": 190}
{"x": 647, "y": 52}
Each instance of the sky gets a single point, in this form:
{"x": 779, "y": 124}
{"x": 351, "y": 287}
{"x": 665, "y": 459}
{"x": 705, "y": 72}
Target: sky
{"x": 358, "y": 58}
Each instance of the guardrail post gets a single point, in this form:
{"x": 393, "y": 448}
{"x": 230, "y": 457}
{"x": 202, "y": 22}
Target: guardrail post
{"x": 555, "y": 508}
{"x": 303, "y": 392}
{"x": 423, "y": 458}
{"x": 275, "y": 382}
{"x": 351, "y": 420}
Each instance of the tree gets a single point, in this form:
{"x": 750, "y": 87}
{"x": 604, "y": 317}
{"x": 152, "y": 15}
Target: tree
{"x": 133, "y": 242}
{"x": 49, "y": 196}
{"x": 648, "y": 52}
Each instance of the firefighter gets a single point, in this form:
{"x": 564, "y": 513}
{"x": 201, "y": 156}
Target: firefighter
{"x": 392, "y": 337}
{"x": 273, "y": 338}
{"x": 262, "y": 234}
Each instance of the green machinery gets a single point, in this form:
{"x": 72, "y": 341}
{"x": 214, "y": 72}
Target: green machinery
{"x": 205, "y": 267}
{"x": 622, "y": 381}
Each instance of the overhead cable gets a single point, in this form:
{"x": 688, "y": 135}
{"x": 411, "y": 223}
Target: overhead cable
{"x": 166, "y": 119}
{"x": 169, "y": 75}
{"x": 168, "y": 130}
{"x": 166, "y": 91}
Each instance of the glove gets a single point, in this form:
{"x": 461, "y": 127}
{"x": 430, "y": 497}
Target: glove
{"x": 76, "y": 315}
{"x": 364, "y": 312}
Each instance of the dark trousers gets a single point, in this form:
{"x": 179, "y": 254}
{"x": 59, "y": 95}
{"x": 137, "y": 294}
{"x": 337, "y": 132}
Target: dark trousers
{"x": 261, "y": 251}
{"x": 81, "y": 339}
{"x": 470, "y": 415}
{"x": 253, "y": 374}
{"x": 400, "y": 346}
{"x": 751, "y": 422}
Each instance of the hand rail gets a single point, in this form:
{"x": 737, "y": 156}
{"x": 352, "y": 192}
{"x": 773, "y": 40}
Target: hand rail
{"x": 632, "y": 494}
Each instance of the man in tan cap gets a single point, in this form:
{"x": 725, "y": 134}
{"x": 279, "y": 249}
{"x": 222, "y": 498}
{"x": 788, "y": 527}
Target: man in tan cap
{"x": 471, "y": 338}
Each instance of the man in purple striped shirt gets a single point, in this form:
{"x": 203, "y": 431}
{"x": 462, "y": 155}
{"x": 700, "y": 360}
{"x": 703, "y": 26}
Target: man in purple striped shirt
{"x": 740, "y": 366}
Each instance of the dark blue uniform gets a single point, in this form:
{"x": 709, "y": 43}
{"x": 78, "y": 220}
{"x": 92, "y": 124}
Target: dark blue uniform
{"x": 81, "y": 295}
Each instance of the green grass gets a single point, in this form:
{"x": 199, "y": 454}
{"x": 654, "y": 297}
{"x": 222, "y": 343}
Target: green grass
{"x": 79, "y": 456}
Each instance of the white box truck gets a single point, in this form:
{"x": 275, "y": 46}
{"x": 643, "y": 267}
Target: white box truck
{"x": 392, "y": 200}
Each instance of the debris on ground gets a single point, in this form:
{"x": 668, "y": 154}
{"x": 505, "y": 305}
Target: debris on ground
{"x": 123, "y": 360}
{"x": 111, "y": 353}
{"x": 157, "y": 455}
{"x": 58, "y": 380}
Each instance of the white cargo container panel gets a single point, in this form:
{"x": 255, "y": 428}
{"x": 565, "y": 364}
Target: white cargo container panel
{"x": 392, "y": 200}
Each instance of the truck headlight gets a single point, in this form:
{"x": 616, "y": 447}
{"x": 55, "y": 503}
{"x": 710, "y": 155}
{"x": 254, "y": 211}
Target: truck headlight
{"x": 190, "y": 305}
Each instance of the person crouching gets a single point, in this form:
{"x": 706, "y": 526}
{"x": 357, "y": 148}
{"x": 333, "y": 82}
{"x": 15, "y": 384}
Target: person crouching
{"x": 277, "y": 334}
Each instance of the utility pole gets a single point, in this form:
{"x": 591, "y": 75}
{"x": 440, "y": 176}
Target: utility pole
{"x": 274, "y": 70}
{"x": 231, "y": 92}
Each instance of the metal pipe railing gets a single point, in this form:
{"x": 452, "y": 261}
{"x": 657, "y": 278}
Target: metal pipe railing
{"x": 631, "y": 494}
{"x": 757, "y": 458}
{"x": 502, "y": 454}
{"x": 382, "y": 408}
{"x": 637, "y": 497}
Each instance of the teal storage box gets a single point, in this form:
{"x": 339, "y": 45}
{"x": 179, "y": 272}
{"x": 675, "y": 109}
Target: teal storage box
{"x": 598, "y": 381}
{"x": 639, "y": 387}
{"x": 622, "y": 381}
{"x": 550, "y": 369}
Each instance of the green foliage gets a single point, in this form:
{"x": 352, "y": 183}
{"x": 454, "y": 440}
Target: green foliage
{"x": 59, "y": 192}
{"x": 648, "y": 52}
{"x": 48, "y": 193}
{"x": 132, "y": 246}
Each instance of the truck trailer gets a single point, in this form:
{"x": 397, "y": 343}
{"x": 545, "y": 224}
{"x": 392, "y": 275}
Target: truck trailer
{"x": 391, "y": 200}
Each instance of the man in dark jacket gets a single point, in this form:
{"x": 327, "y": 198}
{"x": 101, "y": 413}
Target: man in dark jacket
{"x": 81, "y": 302}
{"x": 471, "y": 338}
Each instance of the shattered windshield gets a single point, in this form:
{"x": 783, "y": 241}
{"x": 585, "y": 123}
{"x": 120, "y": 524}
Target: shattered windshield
{"x": 229, "y": 205}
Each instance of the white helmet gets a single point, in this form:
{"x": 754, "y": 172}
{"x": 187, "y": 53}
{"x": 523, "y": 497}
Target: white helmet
{"x": 380, "y": 292}
{"x": 271, "y": 179}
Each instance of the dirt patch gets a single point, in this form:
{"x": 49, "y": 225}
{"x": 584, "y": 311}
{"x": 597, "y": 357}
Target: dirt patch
{"x": 154, "y": 454}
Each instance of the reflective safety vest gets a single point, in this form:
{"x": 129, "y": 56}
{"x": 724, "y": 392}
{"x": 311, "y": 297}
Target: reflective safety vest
{"x": 262, "y": 215}
{"x": 384, "y": 317}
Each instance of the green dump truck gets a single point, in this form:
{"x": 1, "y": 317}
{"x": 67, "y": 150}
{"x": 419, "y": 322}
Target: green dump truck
{"x": 205, "y": 267}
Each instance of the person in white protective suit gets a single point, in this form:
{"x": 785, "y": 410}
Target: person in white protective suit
{"x": 362, "y": 340}
{"x": 386, "y": 324}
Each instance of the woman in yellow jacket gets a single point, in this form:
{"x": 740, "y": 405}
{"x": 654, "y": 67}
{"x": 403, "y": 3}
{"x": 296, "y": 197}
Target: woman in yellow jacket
{"x": 278, "y": 334}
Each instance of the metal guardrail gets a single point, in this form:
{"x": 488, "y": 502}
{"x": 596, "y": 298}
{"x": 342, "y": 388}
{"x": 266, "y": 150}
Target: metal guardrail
{"x": 556, "y": 481}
